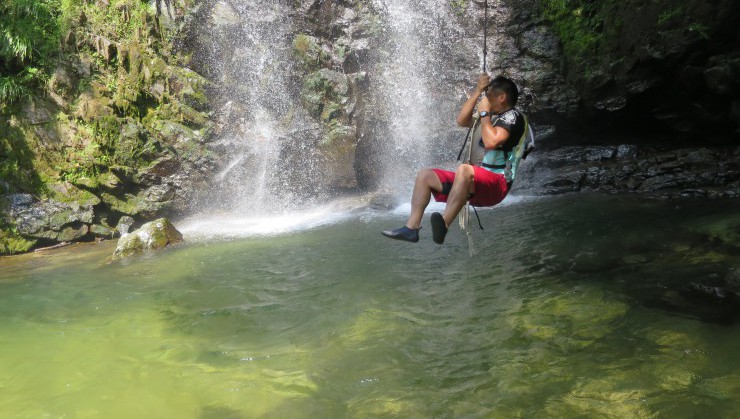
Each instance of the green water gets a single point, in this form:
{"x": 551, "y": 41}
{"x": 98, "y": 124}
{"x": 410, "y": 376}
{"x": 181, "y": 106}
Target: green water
{"x": 574, "y": 308}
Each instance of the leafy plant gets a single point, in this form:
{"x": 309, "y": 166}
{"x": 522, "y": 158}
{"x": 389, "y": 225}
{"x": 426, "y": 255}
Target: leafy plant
{"x": 11, "y": 242}
{"x": 77, "y": 173}
{"x": 12, "y": 89}
{"x": 29, "y": 34}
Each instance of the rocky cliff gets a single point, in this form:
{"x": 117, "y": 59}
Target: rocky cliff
{"x": 651, "y": 71}
{"x": 113, "y": 123}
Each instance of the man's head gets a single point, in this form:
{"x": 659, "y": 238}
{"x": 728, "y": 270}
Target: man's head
{"x": 502, "y": 91}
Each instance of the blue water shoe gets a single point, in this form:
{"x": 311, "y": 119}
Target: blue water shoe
{"x": 404, "y": 233}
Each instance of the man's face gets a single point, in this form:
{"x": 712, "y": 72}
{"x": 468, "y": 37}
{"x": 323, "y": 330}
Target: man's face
{"x": 497, "y": 99}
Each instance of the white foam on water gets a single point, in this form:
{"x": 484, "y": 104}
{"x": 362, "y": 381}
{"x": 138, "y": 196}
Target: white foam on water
{"x": 405, "y": 208}
{"x": 231, "y": 226}
{"x": 228, "y": 225}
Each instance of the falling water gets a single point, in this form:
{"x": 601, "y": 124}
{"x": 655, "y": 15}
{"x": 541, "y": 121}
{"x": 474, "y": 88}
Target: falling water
{"x": 410, "y": 88}
{"x": 248, "y": 180}
{"x": 415, "y": 84}
{"x": 405, "y": 74}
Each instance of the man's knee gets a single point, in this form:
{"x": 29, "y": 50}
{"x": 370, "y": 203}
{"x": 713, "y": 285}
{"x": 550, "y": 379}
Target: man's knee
{"x": 426, "y": 175}
{"x": 465, "y": 171}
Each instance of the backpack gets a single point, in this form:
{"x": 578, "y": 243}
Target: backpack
{"x": 513, "y": 151}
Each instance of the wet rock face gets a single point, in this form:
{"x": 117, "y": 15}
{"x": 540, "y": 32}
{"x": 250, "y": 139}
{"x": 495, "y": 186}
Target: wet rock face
{"x": 50, "y": 222}
{"x": 525, "y": 47}
{"x": 664, "y": 71}
{"x": 298, "y": 69}
{"x": 710, "y": 172}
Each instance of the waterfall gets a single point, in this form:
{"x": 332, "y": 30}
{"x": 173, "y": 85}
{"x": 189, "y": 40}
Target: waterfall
{"x": 414, "y": 83}
{"x": 404, "y": 80}
{"x": 273, "y": 161}
{"x": 257, "y": 70}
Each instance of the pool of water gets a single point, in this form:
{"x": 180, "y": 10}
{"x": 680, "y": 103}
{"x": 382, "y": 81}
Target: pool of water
{"x": 574, "y": 307}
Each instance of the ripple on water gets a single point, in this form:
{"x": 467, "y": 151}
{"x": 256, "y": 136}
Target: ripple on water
{"x": 337, "y": 321}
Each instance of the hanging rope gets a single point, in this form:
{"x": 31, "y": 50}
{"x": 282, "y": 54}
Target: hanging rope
{"x": 485, "y": 34}
{"x": 464, "y": 217}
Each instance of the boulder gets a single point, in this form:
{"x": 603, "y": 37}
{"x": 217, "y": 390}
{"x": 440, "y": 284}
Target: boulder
{"x": 153, "y": 235}
{"x": 38, "y": 112}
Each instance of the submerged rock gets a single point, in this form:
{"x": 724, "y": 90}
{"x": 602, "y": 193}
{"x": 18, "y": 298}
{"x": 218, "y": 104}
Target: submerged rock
{"x": 151, "y": 236}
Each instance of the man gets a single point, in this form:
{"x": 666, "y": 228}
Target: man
{"x": 486, "y": 179}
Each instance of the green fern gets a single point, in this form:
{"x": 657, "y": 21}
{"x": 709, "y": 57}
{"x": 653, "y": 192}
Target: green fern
{"x": 29, "y": 32}
{"x": 27, "y": 29}
{"x": 12, "y": 89}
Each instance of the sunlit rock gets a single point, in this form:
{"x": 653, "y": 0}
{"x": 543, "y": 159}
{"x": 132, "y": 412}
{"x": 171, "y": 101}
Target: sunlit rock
{"x": 224, "y": 15}
{"x": 151, "y": 236}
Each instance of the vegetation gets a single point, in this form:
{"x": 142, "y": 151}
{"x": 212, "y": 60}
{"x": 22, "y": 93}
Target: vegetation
{"x": 592, "y": 30}
{"x": 458, "y": 6}
{"x": 87, "y": 89}
{"x": 11, "y": 242}
{"x": 583, "y": 26}
{"x": 29, "y": 33}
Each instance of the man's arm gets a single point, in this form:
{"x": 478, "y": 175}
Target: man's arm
{"x": 492, "y": 136}
{"x": 465, "y": 117}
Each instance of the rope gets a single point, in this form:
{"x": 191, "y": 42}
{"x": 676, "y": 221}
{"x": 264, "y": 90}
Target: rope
{"x": 464, "y": 217}
{"x": 485, "y": 35}
{"x": 465, "y": 213}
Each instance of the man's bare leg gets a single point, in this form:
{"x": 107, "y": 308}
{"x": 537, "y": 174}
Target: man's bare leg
{"x": 461, "y": 189}
{"x": 426, "y": 182}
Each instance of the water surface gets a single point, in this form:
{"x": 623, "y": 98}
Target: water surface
{"x": 575, "y": 307}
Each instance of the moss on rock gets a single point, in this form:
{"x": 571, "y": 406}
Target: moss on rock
{"x": 307, "y": 49}
{"x": 69, "y": 193}
{"x": 151, "y": 236}
{"x": 11, "y": 242}
{"x": 123, "y": 96}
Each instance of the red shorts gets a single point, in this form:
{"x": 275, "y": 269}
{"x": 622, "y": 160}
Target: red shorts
{"x": 490, "y": 188}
